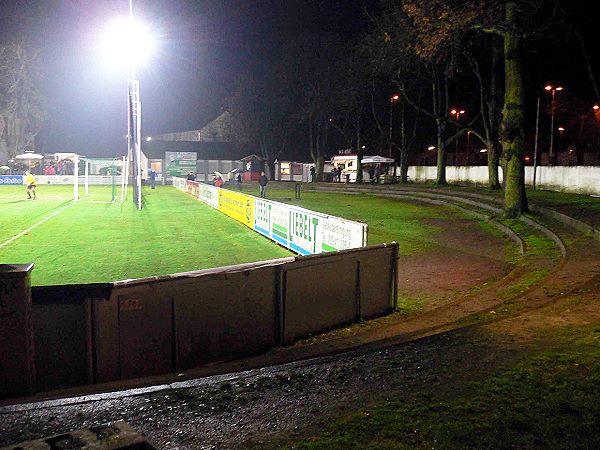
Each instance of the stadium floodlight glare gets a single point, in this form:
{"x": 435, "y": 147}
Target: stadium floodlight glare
{"x": 128, "y": 42}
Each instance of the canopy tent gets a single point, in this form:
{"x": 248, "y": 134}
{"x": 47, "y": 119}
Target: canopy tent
{"x": 31, "y": 156}
{"x": 376, "y": 160}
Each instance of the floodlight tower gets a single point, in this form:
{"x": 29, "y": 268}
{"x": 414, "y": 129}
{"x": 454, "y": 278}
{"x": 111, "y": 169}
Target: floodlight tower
{"x": 130, "y": 42}
{"x": 134, "y": 121}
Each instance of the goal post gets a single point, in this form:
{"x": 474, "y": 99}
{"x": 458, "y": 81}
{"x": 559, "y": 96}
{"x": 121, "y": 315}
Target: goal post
{"x": 99, "y": 178}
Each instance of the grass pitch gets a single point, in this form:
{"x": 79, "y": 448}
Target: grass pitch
{"x": 96, "y": 241}
{"x": 91, "y": 241}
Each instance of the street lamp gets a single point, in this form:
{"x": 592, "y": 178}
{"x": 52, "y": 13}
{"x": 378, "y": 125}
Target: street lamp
{"x": 393, "y": 98}
{"x": 552, "y": 90}
{"x": 456, "y": 113}
{"x": 128, "y": 43}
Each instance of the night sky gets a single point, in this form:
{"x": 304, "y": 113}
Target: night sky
{"x": 202, "y": 45}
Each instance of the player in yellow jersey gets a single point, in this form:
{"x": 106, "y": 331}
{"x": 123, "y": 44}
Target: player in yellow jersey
{"x": 31, "y": 184}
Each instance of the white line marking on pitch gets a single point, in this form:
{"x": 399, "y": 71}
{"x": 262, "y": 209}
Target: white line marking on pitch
{"x": 22, "y": 233}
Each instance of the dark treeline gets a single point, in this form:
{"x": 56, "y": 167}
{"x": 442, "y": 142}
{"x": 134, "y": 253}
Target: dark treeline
{"x": 321, "y": 92}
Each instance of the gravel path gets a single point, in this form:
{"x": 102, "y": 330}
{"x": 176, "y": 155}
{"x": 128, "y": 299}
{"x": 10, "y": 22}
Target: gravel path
{"x": 252, "y": 408}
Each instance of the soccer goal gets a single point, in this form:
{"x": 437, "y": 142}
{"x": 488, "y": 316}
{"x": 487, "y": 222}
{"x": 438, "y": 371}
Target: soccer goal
{"x": 100, "y": 179}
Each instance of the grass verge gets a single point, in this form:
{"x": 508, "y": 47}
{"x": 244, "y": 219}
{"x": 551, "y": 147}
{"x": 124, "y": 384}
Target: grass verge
{"x": 548, "y": 400}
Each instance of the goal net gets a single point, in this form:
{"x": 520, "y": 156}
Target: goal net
{"x": 100, "y": 179}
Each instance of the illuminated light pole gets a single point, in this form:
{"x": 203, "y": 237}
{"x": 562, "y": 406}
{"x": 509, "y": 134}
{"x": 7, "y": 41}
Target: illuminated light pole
{"x": 535, "y": 147}
{"x": 561, "y": 130}
{"x": 393, "y": 98}
{"x": 129, "y": 42}
{"x": 552, "y": 90}
{"x": 456, "y": 113}
{"x": 468, "y": 145}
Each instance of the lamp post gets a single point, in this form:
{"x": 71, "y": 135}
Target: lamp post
{"x": 535, "y": 148}
{"x": 456, "y": 113}
{"x": 393, "y": 99}
{"x": 552, "y": 90}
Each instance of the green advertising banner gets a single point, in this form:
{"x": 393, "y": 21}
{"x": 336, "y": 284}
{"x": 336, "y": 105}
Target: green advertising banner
{"x": 180, "y": 168}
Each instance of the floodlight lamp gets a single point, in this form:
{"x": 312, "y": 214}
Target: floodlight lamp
{"x": 560, "y": 88}
{"x": 431, "y": 147}
{"x": 561, "y": 129}
{"x": 128, "y": 42}
{"x": 453, "y": 111}
{"x": 462, "y": 111}
{"x": 548, "y": 87}
{"x": 395, "y": 97}
{"x": 149, "y": 138}
{"x": 596, "y": 107}
{"x": 483, "y": 150}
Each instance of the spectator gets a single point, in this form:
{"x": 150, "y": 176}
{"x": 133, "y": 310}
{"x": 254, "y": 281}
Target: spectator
{"x": 238, "y": 181}
{"x": 262, "y": 183}
{"x": 152, "y": 175}
{"x": 219, "y": 182}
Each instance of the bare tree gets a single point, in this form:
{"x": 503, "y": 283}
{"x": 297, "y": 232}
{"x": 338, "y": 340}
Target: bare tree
{"x": 411, "y": 63}
{"x": 514, "y": 21}
{"x": 263, "y": 114}
{"x": 313, "y": 71}
{"x": 21, "y": 103}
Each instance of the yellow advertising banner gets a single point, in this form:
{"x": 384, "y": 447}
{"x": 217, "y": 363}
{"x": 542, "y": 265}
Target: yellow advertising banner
{"x": 237, "y": 206}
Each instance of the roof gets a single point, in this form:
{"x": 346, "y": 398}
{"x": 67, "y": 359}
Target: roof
{"x": 215, "y": 131}
{"x": 252, "y": 157}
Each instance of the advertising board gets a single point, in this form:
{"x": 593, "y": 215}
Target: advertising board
{"x": 237, "y": 206}
{"x": 209, "y": 195}
{"x": 180, "y": 163}
{"x": 306, "y": 232}
{"x": 301, "y": 230}
{"x": 9, "y": 180}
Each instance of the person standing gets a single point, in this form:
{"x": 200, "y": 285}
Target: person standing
{"x": 238, "y": 180}
{"x": 153, "y": 178}
{"x": 31, "y": 184}
{"x": 262, "y": 183}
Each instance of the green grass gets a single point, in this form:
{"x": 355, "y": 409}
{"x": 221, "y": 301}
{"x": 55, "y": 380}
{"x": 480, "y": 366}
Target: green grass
{"x": 408, "y": 223}
{"x": 548, "y": 400}
{"x": 98, "y": 242}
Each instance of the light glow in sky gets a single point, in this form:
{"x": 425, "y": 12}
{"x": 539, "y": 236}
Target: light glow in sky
{"x": 127, "y": 42}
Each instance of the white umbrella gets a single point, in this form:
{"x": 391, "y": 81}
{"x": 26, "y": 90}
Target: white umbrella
{"x": 29, "y": 156}
{"x": 219, "y": 174}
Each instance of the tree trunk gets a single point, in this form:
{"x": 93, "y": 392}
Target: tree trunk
{"x": 441, "y": 154}
{"x": 493, "y": 159}
{"x": 513, "y": 118}
{"x": 403, "y": 165}
{"x": 359, "y": 155}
